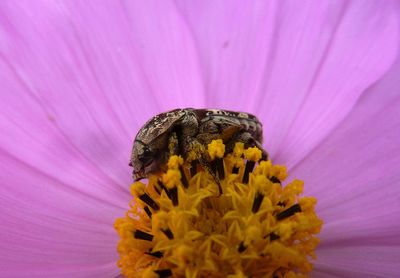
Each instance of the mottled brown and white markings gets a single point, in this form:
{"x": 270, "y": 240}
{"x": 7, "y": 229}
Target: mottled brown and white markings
{"x": 247, "y": 121}
{"x": 182, "y": 131}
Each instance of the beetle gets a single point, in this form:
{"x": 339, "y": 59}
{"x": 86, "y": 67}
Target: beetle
{"x": 181, "y": 131}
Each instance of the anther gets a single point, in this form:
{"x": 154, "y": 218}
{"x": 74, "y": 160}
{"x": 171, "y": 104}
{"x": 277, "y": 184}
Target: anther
{"x": 235, "y": 170}
{"x": 219, "y": 188}
{"x": 288, "y": 212}
{"x": 257, "y": 202}
{"x": 149, "y": 201}
{"x": 162, "y": 185}
{"x": 273, "y": 236}
{"x": 157, "y": 188}
{"x": 163, "y": 273}
{"x": 274, "y": 179}
{"x": 147, "y": 211}
{"x": 183, "y": 179}
{"x": 168, "y": 233}
{"x": 173, "y": 195}
{"x": 193, "y": 168}
{"x": 138, "y": 234}
{"x": 157, "y": 254}
{"x": 241, "y": 247}
{"x": 219, "y": 162}
{"x": 249, "y": 168}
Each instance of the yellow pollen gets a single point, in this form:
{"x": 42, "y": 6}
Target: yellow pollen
{"x": 174, "y": 162}
{"x": 172, "y": 178}
{"x": 138, "y": 188}
{"x": 253, "y": 154}
{"x": 238, "y": 150}
{"x": 180, "y": 225}
{"x": 216, "y": 149}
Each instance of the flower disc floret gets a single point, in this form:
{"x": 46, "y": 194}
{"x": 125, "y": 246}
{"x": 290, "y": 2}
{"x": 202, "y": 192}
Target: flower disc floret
{"x": 181, "y": 225}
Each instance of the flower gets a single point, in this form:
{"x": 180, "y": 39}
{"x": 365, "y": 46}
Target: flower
{"x": 79, "y": 78}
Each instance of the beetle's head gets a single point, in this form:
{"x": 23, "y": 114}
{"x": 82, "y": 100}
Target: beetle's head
{"x": 145, "y": 159}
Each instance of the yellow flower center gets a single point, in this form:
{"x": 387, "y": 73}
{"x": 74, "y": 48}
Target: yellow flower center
{"x": 186, "y": 223}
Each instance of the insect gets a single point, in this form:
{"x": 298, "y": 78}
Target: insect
{"x": 181, "y": 131}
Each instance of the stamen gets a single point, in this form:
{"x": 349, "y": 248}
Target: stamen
{"x": 138, "y": 234}
{"x": 216, "y": 151}
{"x": 173, "y": 195}
{"x": 274, "y": 179}
{"x": 148, "y": 200}
{"x": 288, "y": 212}
{"x": 162, "y": 185}
{"x": 273, "y": 236}
{"x": 168, "y": 233}
{"x": 163, "y": 273}
{"x": 148, "y": 211}
{"x": 219, "y": 165}
{"x": 257, "y": 202}
{"x": 157, "y": 187}
{"x": 235, "y": 170}
{"x": 249, "y": 168}
{"x": 156, "y": 254}
{"x": 138, "y": 189}
{"x": 184, "y": 179}
{"x": 241, "y": 247}
{"x": 281, "y": 204}
{"x": 219, "y": 188}
{"x": 252, "y": 155}
{"x": 193, "y": 168}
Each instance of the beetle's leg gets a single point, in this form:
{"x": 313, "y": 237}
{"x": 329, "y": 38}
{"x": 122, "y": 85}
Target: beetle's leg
{"x": 264, "y": 154}
{"x": 248, "y": 140}
{"x": 193, "y": 149}
{"x": 198, "y": 152}
{"x": 207, "y": 166}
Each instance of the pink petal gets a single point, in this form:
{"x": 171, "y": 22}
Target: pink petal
{"x": 355, "y": 176}
{"x": 50, "y": 229}
{"x": 78, "y": 80}
{"x": 299, "y": 65}
{"x": 358, "y": 262}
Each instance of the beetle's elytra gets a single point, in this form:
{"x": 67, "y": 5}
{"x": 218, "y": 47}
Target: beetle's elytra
{"x": 180, "y": 131}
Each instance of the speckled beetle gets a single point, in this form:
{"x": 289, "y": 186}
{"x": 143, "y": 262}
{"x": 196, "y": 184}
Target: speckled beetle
{"x": 183, "y": 130}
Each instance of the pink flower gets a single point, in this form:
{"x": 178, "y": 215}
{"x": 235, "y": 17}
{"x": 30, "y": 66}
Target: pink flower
{"x": 79, "y": 78}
